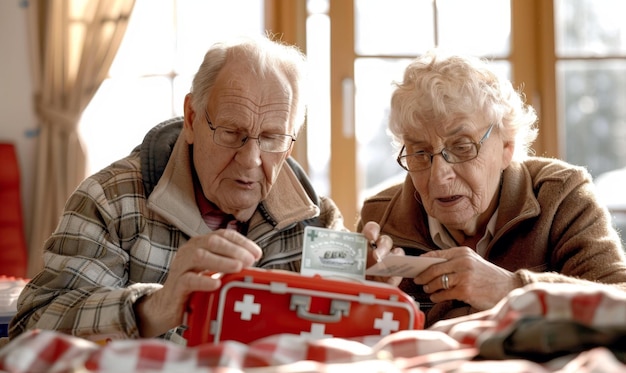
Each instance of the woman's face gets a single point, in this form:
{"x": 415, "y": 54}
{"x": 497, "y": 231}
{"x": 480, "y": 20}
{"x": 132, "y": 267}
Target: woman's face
{"x": 462, "y": 196}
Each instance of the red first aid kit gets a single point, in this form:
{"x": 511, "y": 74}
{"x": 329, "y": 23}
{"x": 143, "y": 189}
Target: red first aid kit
{"x": 257, "y": 303}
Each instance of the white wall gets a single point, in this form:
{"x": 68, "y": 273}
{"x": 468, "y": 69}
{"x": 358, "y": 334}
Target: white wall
{"x": 17, "y": 120}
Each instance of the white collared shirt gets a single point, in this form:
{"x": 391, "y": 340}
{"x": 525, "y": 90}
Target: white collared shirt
{"x": 444, "y": 240}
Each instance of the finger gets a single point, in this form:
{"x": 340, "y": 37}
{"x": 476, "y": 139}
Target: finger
{"x": 432, "y": 273}
{"x": 242, "y": 241}
{"x": 219, "y": 256}
{"x": 443, "y": 282}
{"x": 178, "y": 287}
{"x": 398, "y": 251}
{"x": 371, "y": 231}
{"x": 199, "y": 260}
{"x": 199, "y": 282}
{"x": 394, "y": 281}
{"x": 231, "y": 245}
{"x": 177, "y": 291}
{"x": 383, "y": 246}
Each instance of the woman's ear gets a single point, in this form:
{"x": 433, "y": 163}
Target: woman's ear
{"x": 507, "y": 153}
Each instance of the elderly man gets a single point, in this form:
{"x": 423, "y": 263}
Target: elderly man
{"x": 214, "y": 191}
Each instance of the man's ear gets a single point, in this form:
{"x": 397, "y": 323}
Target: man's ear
{"x": 188, "y": 119}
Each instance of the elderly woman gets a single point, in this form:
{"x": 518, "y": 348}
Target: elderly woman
{"x": 500, "y": 218}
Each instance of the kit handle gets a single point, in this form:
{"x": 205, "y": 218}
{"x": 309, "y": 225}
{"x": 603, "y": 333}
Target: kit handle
{"x": 301, "y": 303}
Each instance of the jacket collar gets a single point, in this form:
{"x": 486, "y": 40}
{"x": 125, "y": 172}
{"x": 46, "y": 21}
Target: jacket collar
{"x": 517, "y": 196}
{"x": 405, "y": 215}
{"x": 173, "y": 196}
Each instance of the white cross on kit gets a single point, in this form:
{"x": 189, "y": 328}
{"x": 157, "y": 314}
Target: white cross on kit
{"x": 317, "y": 332}
{"x": 387, "y": 324}
{"x": 247, "y": 307}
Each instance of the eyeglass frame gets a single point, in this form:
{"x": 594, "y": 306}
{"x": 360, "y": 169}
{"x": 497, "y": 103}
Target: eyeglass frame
{"x": 444, "y": 152}
{"x": 247, "y": 137}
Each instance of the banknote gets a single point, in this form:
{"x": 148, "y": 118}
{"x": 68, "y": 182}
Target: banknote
{"x": 401, "y": 265}
{"x": 331, "y": 253}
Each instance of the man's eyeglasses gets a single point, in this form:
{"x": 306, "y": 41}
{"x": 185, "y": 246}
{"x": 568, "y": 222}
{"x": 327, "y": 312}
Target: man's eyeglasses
{"x": 232, "y": 138}
{"x": 458, "y": 153}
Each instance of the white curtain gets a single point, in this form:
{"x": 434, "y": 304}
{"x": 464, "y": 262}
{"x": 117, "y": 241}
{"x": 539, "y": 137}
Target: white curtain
{"x": 73, "y": 45}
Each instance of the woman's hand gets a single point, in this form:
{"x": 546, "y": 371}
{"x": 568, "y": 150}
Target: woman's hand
{"x": 222, "y": 251}
{"x": 469, "y": 278}
{"x": 379, "y": 246}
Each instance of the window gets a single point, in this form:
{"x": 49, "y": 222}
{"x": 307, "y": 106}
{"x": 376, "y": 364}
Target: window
{"x": 162, "y": 49}
{"x": 591, "y": 81}
{"x": 568, "y": 56}
{"x": 591, "y": 87}
{"x": 371, "y": 43}
{"x": 383, "y": 52}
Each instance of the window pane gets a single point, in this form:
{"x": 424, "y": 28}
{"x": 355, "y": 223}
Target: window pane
{"x": 478, "y": 27}
{"x": 182, "y": 86}
{"x": 375, "y": 154}
{"x": 592, "y": 96}
{"x": 162, "y": 48}
{"x": 148, "y": 45}
{"x": 393, "y": 27}
{"x": 590, "y": 27}
{"x": 318, "y": 113}
{"x": 201, "y": 23}
{"x": 610, "y": 188}
{"x": 115, "y": 123}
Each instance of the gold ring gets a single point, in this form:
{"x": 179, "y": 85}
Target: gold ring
{"x": 445, "y": 281}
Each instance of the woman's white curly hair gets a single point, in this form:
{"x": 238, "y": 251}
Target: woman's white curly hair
{"x": 437, "y": 88}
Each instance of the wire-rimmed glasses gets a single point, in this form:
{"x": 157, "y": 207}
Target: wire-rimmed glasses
{"x": 234, "y": 139}
{"x": 457, "y": 153}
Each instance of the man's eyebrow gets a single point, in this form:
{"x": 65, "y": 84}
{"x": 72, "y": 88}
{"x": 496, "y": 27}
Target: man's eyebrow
{"x": 233, "y": 122}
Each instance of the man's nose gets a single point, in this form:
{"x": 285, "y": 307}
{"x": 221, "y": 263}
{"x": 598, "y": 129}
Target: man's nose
{"x": 249, "y": 154}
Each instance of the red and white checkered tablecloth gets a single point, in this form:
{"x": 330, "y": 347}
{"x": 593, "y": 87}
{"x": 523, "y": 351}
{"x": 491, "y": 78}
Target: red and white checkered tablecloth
{"x": 448, "y": 346}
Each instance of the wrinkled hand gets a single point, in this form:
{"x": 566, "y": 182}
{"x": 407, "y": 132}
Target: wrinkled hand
{"x": 383, "y": 246}
{"x": 471, "y": 279}
{"x": 222, "y": 251}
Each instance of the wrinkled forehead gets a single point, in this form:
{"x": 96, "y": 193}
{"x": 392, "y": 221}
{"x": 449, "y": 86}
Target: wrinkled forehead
{"x": 445, "y": 126}
{"x": 237, "y": 82}
{"x": 242, "y": 99}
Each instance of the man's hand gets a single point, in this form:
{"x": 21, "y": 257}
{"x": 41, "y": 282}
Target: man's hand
{"x": 223, "y": 251}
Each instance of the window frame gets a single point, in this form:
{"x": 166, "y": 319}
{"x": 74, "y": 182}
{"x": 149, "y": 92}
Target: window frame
{"x": 532, "y": 60}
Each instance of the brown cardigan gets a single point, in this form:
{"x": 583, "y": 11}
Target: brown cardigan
{"x": 550, "y": 228}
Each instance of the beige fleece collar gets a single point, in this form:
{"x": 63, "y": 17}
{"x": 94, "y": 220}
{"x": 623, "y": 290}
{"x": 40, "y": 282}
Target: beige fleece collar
{"x": 173, "y": 196}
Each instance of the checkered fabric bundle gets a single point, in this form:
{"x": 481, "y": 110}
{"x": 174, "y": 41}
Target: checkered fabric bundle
{"x": 450, "y": 346}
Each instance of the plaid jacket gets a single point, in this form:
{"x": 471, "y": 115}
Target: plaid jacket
{"x": 121, "y": 228}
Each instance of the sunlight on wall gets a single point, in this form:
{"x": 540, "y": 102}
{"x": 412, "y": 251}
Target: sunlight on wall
{"x": 162, "y": 49}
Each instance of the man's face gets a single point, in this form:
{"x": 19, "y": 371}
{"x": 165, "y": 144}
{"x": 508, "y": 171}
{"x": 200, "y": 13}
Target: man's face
{"x": 236, "y": 180}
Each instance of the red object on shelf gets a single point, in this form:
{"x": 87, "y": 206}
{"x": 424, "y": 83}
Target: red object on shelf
{"x": 13, "y": 251}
